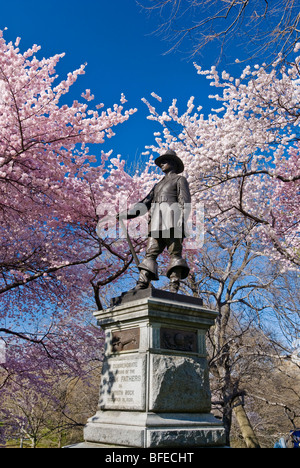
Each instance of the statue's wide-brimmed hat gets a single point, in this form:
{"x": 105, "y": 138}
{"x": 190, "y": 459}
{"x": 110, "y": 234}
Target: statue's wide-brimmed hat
{"x": 170, "y": 155}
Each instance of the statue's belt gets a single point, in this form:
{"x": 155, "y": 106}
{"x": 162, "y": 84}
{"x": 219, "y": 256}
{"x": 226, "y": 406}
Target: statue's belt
{"x": 166, "y": 197}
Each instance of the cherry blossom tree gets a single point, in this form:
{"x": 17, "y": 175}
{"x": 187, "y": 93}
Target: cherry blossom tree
{"x": 51, "y": 186}
{"x": 46, "y": 172}
{"x": 242, "y": 158}
{"x": 242, "y": 163}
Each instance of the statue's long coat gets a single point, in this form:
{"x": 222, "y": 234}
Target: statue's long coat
{"x": 169, "y": 206}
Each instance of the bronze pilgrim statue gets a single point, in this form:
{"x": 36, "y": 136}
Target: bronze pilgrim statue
{"x": 169, "y": 206}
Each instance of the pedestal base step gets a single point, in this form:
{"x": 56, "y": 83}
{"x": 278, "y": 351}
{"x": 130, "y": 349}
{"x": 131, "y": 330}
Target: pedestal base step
{"x": 146, "y": 430}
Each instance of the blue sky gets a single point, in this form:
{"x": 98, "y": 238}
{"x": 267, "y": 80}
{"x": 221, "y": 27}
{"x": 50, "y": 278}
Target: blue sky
{"x": 115, "y": 38}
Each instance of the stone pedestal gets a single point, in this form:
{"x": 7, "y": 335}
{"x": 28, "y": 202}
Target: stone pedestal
{"x": 155, "y": 385}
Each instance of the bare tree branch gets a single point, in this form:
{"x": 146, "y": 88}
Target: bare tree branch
{"x": 269, "y": 27}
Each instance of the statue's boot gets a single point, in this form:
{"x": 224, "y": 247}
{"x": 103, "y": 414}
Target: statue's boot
{"x": 148, "y": 272}
{"x": 144, "y": 280}
{"x": 178, "y": 269}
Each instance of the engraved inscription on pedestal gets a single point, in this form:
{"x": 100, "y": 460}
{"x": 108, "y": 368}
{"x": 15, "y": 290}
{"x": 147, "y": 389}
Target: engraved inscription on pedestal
{"x": 125, "y": 340}
{"x": 178, "y": 340}
{"x": 123, "y": 383}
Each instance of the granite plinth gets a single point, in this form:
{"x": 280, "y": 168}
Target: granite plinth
{"x": 155, "y": 382}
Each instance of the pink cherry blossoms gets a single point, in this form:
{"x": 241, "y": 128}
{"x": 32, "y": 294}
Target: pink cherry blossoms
{"x": 51, "y": 259}
{"x": 243, "y": 158}
{"x": 46, "y": 176}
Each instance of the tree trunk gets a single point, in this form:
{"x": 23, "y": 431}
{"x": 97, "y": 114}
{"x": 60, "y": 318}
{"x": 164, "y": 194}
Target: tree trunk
{"x": 33, "y": 442}
{"x": 245, "y": 425}
{"x": 227, "y": 420}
